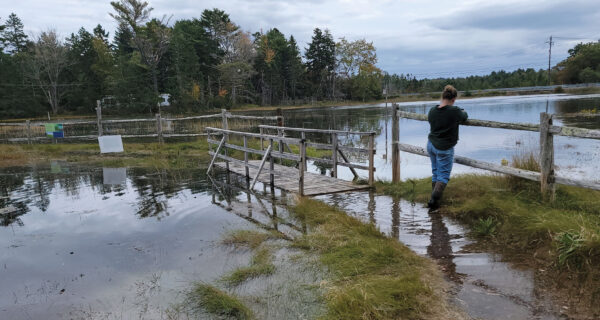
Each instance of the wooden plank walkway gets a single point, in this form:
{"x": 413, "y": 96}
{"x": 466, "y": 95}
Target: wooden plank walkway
{"x": 286, "y": 178}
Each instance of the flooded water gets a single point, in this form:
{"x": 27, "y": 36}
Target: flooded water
{"x": 575, "y": 158}
{"x": 124, "y": 243}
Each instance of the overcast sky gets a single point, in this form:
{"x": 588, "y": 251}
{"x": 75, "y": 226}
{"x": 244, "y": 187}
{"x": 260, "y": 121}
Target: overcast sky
{"x": 422, "y": 37}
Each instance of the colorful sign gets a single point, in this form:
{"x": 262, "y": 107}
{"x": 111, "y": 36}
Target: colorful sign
{"x": 54, "y": 130}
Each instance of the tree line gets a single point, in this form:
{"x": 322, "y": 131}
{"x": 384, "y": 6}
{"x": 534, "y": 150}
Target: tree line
{"x": 210, "y": 62}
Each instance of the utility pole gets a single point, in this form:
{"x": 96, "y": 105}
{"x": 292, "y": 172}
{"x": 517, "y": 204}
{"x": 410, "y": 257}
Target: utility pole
{"x": 550, "y": 43}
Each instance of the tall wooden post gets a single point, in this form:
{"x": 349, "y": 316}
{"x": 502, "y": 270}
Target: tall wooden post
{"x": 547, "y": 178}
{"x": 279, "y": 117}
{"x": 334, "y": 151}
{"x": 271, "y": 167}
{"x": 246, "y": 158}
{"x": 301, "y": 167}
{"x": 28, "y": 123}
{"x": 303, "y": 136}
{"x": 159, "y": 131}
{"x": 395, "y": 142}
{"x": 280, "y": 144}
{"x": 226, "y": 127}
{"x": 262, "y": 144}
{"x": 99, "y": 117}
{"x": 371, "y": 159}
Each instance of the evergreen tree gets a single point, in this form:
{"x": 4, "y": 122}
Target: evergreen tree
{"x": 14, "y": 37}
{"x": 320, "y": 63}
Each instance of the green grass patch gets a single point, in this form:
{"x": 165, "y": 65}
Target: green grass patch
{"x": 218, "y": 302}
{"x": 177, "y": 155}
{"x": 372, "y": 276}
{"x": 260, "y": 265}
{"x": 246, "y": 238}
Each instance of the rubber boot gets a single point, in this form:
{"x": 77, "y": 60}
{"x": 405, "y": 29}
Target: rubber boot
{"x": 436, "y": 196}
{"x": 432, "y": 185}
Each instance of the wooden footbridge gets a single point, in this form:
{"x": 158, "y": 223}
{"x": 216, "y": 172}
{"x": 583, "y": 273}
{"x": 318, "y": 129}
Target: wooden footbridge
{"x": 236, "y": 148}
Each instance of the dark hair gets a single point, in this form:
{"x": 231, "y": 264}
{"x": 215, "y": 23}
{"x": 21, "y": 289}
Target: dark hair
{"x": 449, "y": 92}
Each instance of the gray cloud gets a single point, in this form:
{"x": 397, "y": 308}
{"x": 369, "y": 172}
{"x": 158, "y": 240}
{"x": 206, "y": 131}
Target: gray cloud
{"x": 419, "y": 37}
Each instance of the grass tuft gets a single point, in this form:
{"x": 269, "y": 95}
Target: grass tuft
{"x": 247, "y": 238}
{"x": 218, "y": 302}
{"x": 260, "y": 265}
{"x": 568, "y": 245}
{"x": 485, "y": 227}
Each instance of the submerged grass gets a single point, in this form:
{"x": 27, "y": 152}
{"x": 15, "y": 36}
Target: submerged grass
{"x": 247, "y": 238}
{"x": 260, "y": 265}
{"x": 372, "y": 276}
{"x": 215, "y": 301}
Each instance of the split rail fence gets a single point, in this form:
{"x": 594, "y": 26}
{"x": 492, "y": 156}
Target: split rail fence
{"x": 158, "y": 127}
{"x": 547, "y": 130}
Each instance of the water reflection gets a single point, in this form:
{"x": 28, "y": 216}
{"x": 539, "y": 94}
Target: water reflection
{"x": 486, "y": 287}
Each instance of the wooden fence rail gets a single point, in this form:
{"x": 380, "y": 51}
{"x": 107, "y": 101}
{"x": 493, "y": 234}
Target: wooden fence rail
{"x": 26, "y": 133}
{"x": 547, "y": 130}
{"x": 336, "y": 148}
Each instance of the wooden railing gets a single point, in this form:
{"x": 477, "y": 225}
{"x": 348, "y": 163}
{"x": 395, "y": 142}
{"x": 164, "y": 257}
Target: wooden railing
{"x": 224, "y": 145}
{"x": 335, "y": 147}
{"x": 27, "y": 128}
{"x": 547, "y": 130}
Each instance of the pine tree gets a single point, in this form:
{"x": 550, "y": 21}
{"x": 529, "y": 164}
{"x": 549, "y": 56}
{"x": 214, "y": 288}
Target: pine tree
{"x": 14, "y": 37}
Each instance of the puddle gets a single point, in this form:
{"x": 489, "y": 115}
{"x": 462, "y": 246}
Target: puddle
{"x": 483, "y": 285}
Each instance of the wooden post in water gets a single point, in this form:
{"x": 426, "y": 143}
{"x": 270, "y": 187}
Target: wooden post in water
{"x": 226, "y": 127}
{"x": 303, "y": 136}
{"x": 301, "y": 167}
{"x": 280, "y": 131}
{"x": 547, "y": 178}
{"x": 99, "y": 117}
{"x": 28, "y": 123}
{"x": 271, "y": 167}
{"x": 334, "y": 151}
{"x": 246, "y": 158}
{"x": 395, "y": 142}
{"x": 371, "y": 159}
{"x": 159, "y": 131}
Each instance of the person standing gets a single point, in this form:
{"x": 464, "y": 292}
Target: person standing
{"x": 444, "y": 120}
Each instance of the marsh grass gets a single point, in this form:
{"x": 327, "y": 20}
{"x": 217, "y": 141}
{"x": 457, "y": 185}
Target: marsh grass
{"x": 215, "y": 301}
{"x": 176, "y": 155}
{"x": 260, "y": 265}
{"x": 485, "y": 227}
{"x": 248, "y": 238}
{"x": 372, "y": 276}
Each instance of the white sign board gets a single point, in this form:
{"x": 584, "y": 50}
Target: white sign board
{"x": 114, "y": 175}
{"x": 110, "y": 144}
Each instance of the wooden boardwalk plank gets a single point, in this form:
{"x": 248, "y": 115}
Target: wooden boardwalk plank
{"x": 286, "y": 178}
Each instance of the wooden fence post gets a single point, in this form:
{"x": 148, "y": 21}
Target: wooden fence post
{"x": 262, "y": 145}
{"x": 301, "y": 168}
{"x": 271, "y": 166}
{"x": 279, "y": 117}
{"x": 395, "y": 142}
{"x": 371, "y": 159}
{"x": 28, "y": 131}
{"x": 99, "y": 117}
{"x": 334, "y": 143}
{"x": 246, "y": 158}
{"x": 280, "y": 144}
{"x": 226, "y": 127}
{"x": 159, "y": 132}
{"x": 547, "y": 178}
{"x": 303, "y": 136}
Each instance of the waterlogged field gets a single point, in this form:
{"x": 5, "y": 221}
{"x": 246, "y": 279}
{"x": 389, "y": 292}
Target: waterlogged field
{"x": 152, "y": 236}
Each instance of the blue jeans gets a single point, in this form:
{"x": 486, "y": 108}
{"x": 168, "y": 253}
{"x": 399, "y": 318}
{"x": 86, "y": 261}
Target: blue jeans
{"x": 441, "y": 163}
